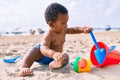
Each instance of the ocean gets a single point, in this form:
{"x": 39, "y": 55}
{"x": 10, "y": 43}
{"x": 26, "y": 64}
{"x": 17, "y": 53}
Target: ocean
{"x": 27, "y": 32}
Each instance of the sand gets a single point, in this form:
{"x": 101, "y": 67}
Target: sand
{"x": 75, "y": 45}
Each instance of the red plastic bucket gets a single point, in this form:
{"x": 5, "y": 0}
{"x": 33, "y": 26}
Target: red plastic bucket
{"x": 108, "y": 60}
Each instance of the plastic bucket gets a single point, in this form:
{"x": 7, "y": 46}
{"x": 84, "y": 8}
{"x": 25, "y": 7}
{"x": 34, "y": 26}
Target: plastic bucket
{"x": 108, "y": 60}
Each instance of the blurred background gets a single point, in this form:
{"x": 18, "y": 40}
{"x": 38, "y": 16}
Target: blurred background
{"x": 23, "y": 16}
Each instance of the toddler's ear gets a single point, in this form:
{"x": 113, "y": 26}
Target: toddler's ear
{"x": 50, "y": 23}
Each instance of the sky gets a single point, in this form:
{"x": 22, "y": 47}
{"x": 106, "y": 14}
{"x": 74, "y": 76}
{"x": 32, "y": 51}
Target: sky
{"x": 29, "y": 14}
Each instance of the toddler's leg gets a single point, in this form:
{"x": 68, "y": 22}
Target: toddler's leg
{"x": 32, "y": 55}
{"x": 60, "y": 63}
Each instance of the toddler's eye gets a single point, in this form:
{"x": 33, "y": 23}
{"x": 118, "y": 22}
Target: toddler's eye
{"x": 63, "y": 23}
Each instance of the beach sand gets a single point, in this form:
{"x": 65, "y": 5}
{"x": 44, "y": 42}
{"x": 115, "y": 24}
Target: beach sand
{"x": 75, "y": 45}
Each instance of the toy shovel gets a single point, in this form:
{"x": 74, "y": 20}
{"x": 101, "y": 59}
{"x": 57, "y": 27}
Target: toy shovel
{"x": 11, "y": 60}
{"x": 100, "y": 53}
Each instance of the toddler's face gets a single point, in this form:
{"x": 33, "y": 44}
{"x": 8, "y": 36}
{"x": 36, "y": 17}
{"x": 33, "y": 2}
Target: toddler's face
{"x": 60, "y": 24}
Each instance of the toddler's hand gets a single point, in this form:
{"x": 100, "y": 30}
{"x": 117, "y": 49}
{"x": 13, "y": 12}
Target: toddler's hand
{"x": 82, "y": 63}
{"x": 58, "y": 56}
{"x": 87, "y": 29}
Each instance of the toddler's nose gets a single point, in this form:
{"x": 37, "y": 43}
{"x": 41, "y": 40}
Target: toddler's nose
{"x": 66, "y": 26}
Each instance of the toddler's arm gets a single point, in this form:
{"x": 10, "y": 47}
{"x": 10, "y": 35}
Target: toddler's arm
{"x": 45, "y": 47}
{"x": 77, "y": 30}
{"x": 51, "y": 53}
{"x": 47, "y": 51}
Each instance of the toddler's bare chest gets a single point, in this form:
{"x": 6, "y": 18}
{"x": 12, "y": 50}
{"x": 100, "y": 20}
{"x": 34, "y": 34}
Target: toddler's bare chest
{"x": 58, "y": 41}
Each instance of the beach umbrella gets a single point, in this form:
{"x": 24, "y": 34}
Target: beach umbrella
{"x": 17, "y": 28}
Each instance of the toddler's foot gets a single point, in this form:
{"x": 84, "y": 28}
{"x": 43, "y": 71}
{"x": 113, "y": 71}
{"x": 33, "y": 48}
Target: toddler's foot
{"x": 60, "y": 62}
{"x": 55, "y": 65}
{"x": 25, "y": 72}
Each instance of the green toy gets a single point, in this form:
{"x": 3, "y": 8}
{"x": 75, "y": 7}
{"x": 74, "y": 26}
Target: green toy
{"x": 76, "y": 67}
